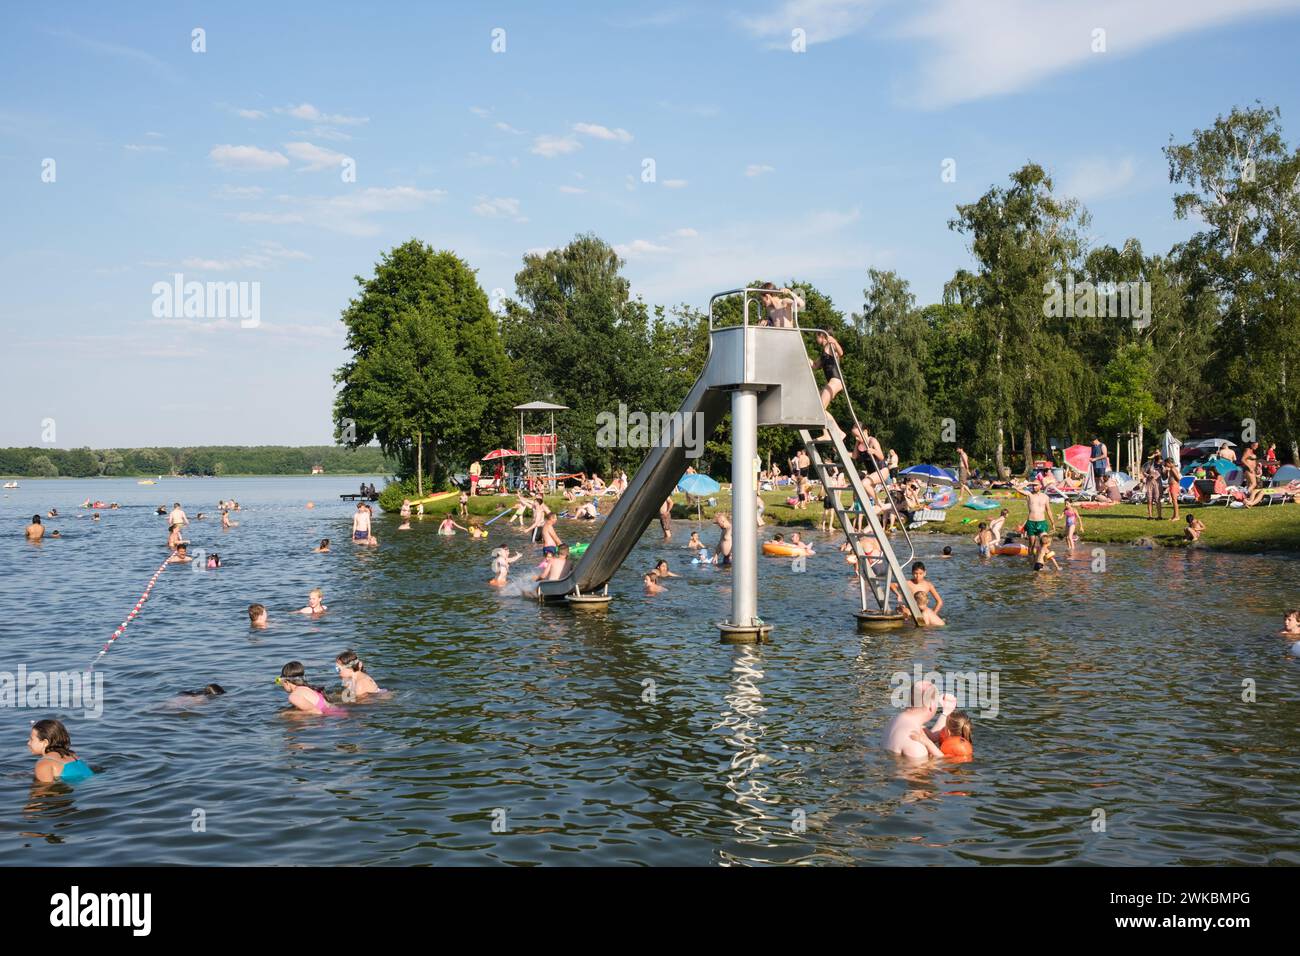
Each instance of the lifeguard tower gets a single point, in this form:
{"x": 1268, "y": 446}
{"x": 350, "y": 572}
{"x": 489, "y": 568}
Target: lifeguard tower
{"x": 538, "y": 449}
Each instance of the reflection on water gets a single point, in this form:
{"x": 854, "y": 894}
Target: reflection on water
{"x": 1120, "y": 697}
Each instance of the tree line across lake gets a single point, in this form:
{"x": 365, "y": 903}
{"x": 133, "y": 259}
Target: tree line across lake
{"x": 1043, "y": 337}
{"x": 205, "y": 460}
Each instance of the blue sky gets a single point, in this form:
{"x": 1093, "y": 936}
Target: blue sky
{"x": 227, "y": 165}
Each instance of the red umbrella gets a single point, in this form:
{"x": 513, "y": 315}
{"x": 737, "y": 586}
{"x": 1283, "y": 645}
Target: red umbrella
{"x": 1079, "y": 457}
{"x": 500, "y": 453}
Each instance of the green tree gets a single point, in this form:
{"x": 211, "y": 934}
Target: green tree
{"x": 1126, "y": 400}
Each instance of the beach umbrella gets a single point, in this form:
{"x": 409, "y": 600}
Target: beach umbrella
{"x": 697, "y": 486}
{"x": 1170, "y": 446}
{"x": 930, "y": 474}
{"x": 1079, "y": 457}
{"x": 500, "y": 453}
{"x": 1221, "y": 465}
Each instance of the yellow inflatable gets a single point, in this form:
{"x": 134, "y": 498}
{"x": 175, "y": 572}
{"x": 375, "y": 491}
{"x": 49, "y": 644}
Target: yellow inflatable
{"x": 781, "y": 549}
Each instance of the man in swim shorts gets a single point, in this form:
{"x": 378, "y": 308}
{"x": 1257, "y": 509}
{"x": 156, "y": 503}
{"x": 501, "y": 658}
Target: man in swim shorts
{"x": 1041, "y": 519}
{"x": 551, "y": 542}
{"x": 35, "y": 530}
{"x": 724, "y": 539}
{"x": 361, "y": 524}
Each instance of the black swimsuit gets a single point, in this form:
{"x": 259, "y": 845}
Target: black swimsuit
{"x": 831, "y": 364}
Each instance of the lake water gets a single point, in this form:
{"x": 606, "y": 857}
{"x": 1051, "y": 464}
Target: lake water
{"x": 630, "y": 735}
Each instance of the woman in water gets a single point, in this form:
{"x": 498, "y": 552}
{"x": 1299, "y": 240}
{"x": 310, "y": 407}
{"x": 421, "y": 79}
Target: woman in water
{"x": 49, "y": 740}
{"x": 303, "y": 696}
{"x": 352, "y": 671}
{"x": 314, "y": 605}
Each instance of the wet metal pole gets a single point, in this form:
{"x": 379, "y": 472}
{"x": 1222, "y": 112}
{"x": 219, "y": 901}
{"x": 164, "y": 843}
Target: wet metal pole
{"x": 744, "y": 626}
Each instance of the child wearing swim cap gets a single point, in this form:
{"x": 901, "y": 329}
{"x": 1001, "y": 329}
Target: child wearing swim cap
{"x": 955, "y": 737}
{"x": 352, "y": 671}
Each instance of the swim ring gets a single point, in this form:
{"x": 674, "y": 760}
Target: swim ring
{"x": 1016, "y": 550}
{"x": 781, "y": 549}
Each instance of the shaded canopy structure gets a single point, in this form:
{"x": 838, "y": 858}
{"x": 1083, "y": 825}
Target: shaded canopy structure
{"x": 538, "y": 449}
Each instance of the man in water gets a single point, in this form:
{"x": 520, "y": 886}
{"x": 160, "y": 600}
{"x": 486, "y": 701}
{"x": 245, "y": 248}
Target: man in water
{"x": 35, "y": 530}
{"x": 1041, "y": 518}
{"x": 922, "y": 589}
{"x": 666, "y": 517}
{"x": 178, "y": 515}
{"x": 906, "y": 734}
{"x": 724, "y": 539}
{"x": 361, "y": 524}
{"x": 551, "y": 542}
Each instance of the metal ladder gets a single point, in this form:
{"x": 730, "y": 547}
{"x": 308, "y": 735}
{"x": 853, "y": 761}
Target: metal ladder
{"x": 880, "y": 589}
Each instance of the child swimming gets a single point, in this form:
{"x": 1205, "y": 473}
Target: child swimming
{"x": 352, "y": 671}
{"x": 955, "y": 737}
{"x": 49, "y": 740}
{"x": 1045, "y": 553}
{"x": 501, "y": 561}
{"x": 985, "y": 540}
{"x": 662, "y": 570}
{"x": 448, "y": 526}
{"x": 211, "y": 690}
{"x": 652, "y": 585}
{"x": 323, "y": 547}
{"x": 695, "y": 544}
{"x": 304, "y": 696}
{"x": 256, "y": 616}
{"x": 314, "y": 605}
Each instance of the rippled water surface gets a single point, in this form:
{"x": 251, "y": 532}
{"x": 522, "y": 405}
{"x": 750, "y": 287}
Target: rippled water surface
{"x": 629, "y": 735}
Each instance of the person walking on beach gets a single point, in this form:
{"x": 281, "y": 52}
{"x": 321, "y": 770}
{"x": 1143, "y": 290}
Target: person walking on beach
{"x": 963, "y": 474}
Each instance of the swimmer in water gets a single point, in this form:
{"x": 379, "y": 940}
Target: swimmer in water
{"x": 304, "y": 696}
{"x": 214, "y": 562}
{"x": 212, "y": 690}
{"x": 652, "y": 585}
{"x": 50, "y": 742}
{"x": 501, "y": 561}
{"x": 922, "y": 589}
{"x": 448, "y": 526}
{"x": 352, "y": 671}
{"x": 1291, "y": 624}
{"x": 35, "y": 530}
{"x": 796, "y": 541}
{"x": 181, "y": 556}
{"x": 550, "y": 538}
{"x": 323, "y": 548}
{"x": 907, "y": 735}
{"x": 475, "y": 531}
{"x": 947, "y": 552}
{"x": 257, "y": 616}
{"x": 661, "y": 570}
{"x": 226, "y": 523}
{"x": 52, "y": 513}
{"x": 174, "y": 536}
{"x": 955, "y": 739}
{"x": 985, "y": 540}
{"x": 695, "y": 544}
{"x": 314, "y": 605}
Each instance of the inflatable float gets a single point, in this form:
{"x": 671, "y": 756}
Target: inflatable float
{"x": 782, "y": 550}
{"x": 432, "y": 499}
{"x": 981, "y": 503}
{"x": 576, "y": 550}
{"x": 1014, "y": 550}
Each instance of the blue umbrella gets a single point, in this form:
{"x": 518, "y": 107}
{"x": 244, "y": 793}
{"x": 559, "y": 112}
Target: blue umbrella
{"x": 932, "y": 474}
{"x": 698, "y": 486}
{"x": 1221, "y": 465}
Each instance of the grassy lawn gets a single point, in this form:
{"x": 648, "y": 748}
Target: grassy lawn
{"x": 1275, "y": 528}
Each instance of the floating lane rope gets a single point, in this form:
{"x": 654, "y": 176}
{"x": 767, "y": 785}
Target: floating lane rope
{"x": 134, "y": 611}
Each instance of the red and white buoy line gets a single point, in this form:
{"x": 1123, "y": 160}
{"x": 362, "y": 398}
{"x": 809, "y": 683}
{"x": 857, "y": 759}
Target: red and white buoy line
{"x": 134, "y": 611}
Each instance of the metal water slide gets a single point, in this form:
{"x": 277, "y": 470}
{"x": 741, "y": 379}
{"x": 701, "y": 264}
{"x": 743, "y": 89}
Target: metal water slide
{"x": 761, "y": 374}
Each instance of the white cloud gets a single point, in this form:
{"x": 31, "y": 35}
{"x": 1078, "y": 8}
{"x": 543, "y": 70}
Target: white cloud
{"x": 507, "y": 128}
{"x": 305, "y": 111}
{"x": 639, "y": 248}
{"x": 674, "y": 183}
{"x": 264, "y": 256}
{"x": 498, "y": 207}
{"x": 572, "y": 190}
{"x": 821, "y": 20}
{"x": 756, "y": 169}
{"x": 247, "y": 157}
{"x": 1096, "y": 178}
{"x": 552, "y": 146}
{"x": 602, "y": 132}
{"x": 480, "y": 111}
{"x": 685, "y": 233}
{"x": 251, "y": 114}
{"x": 350, "y": 212}
{"x": 976, "y": 50}
{"x": 144, "y": 148}
{"x": 313, "y": 157}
